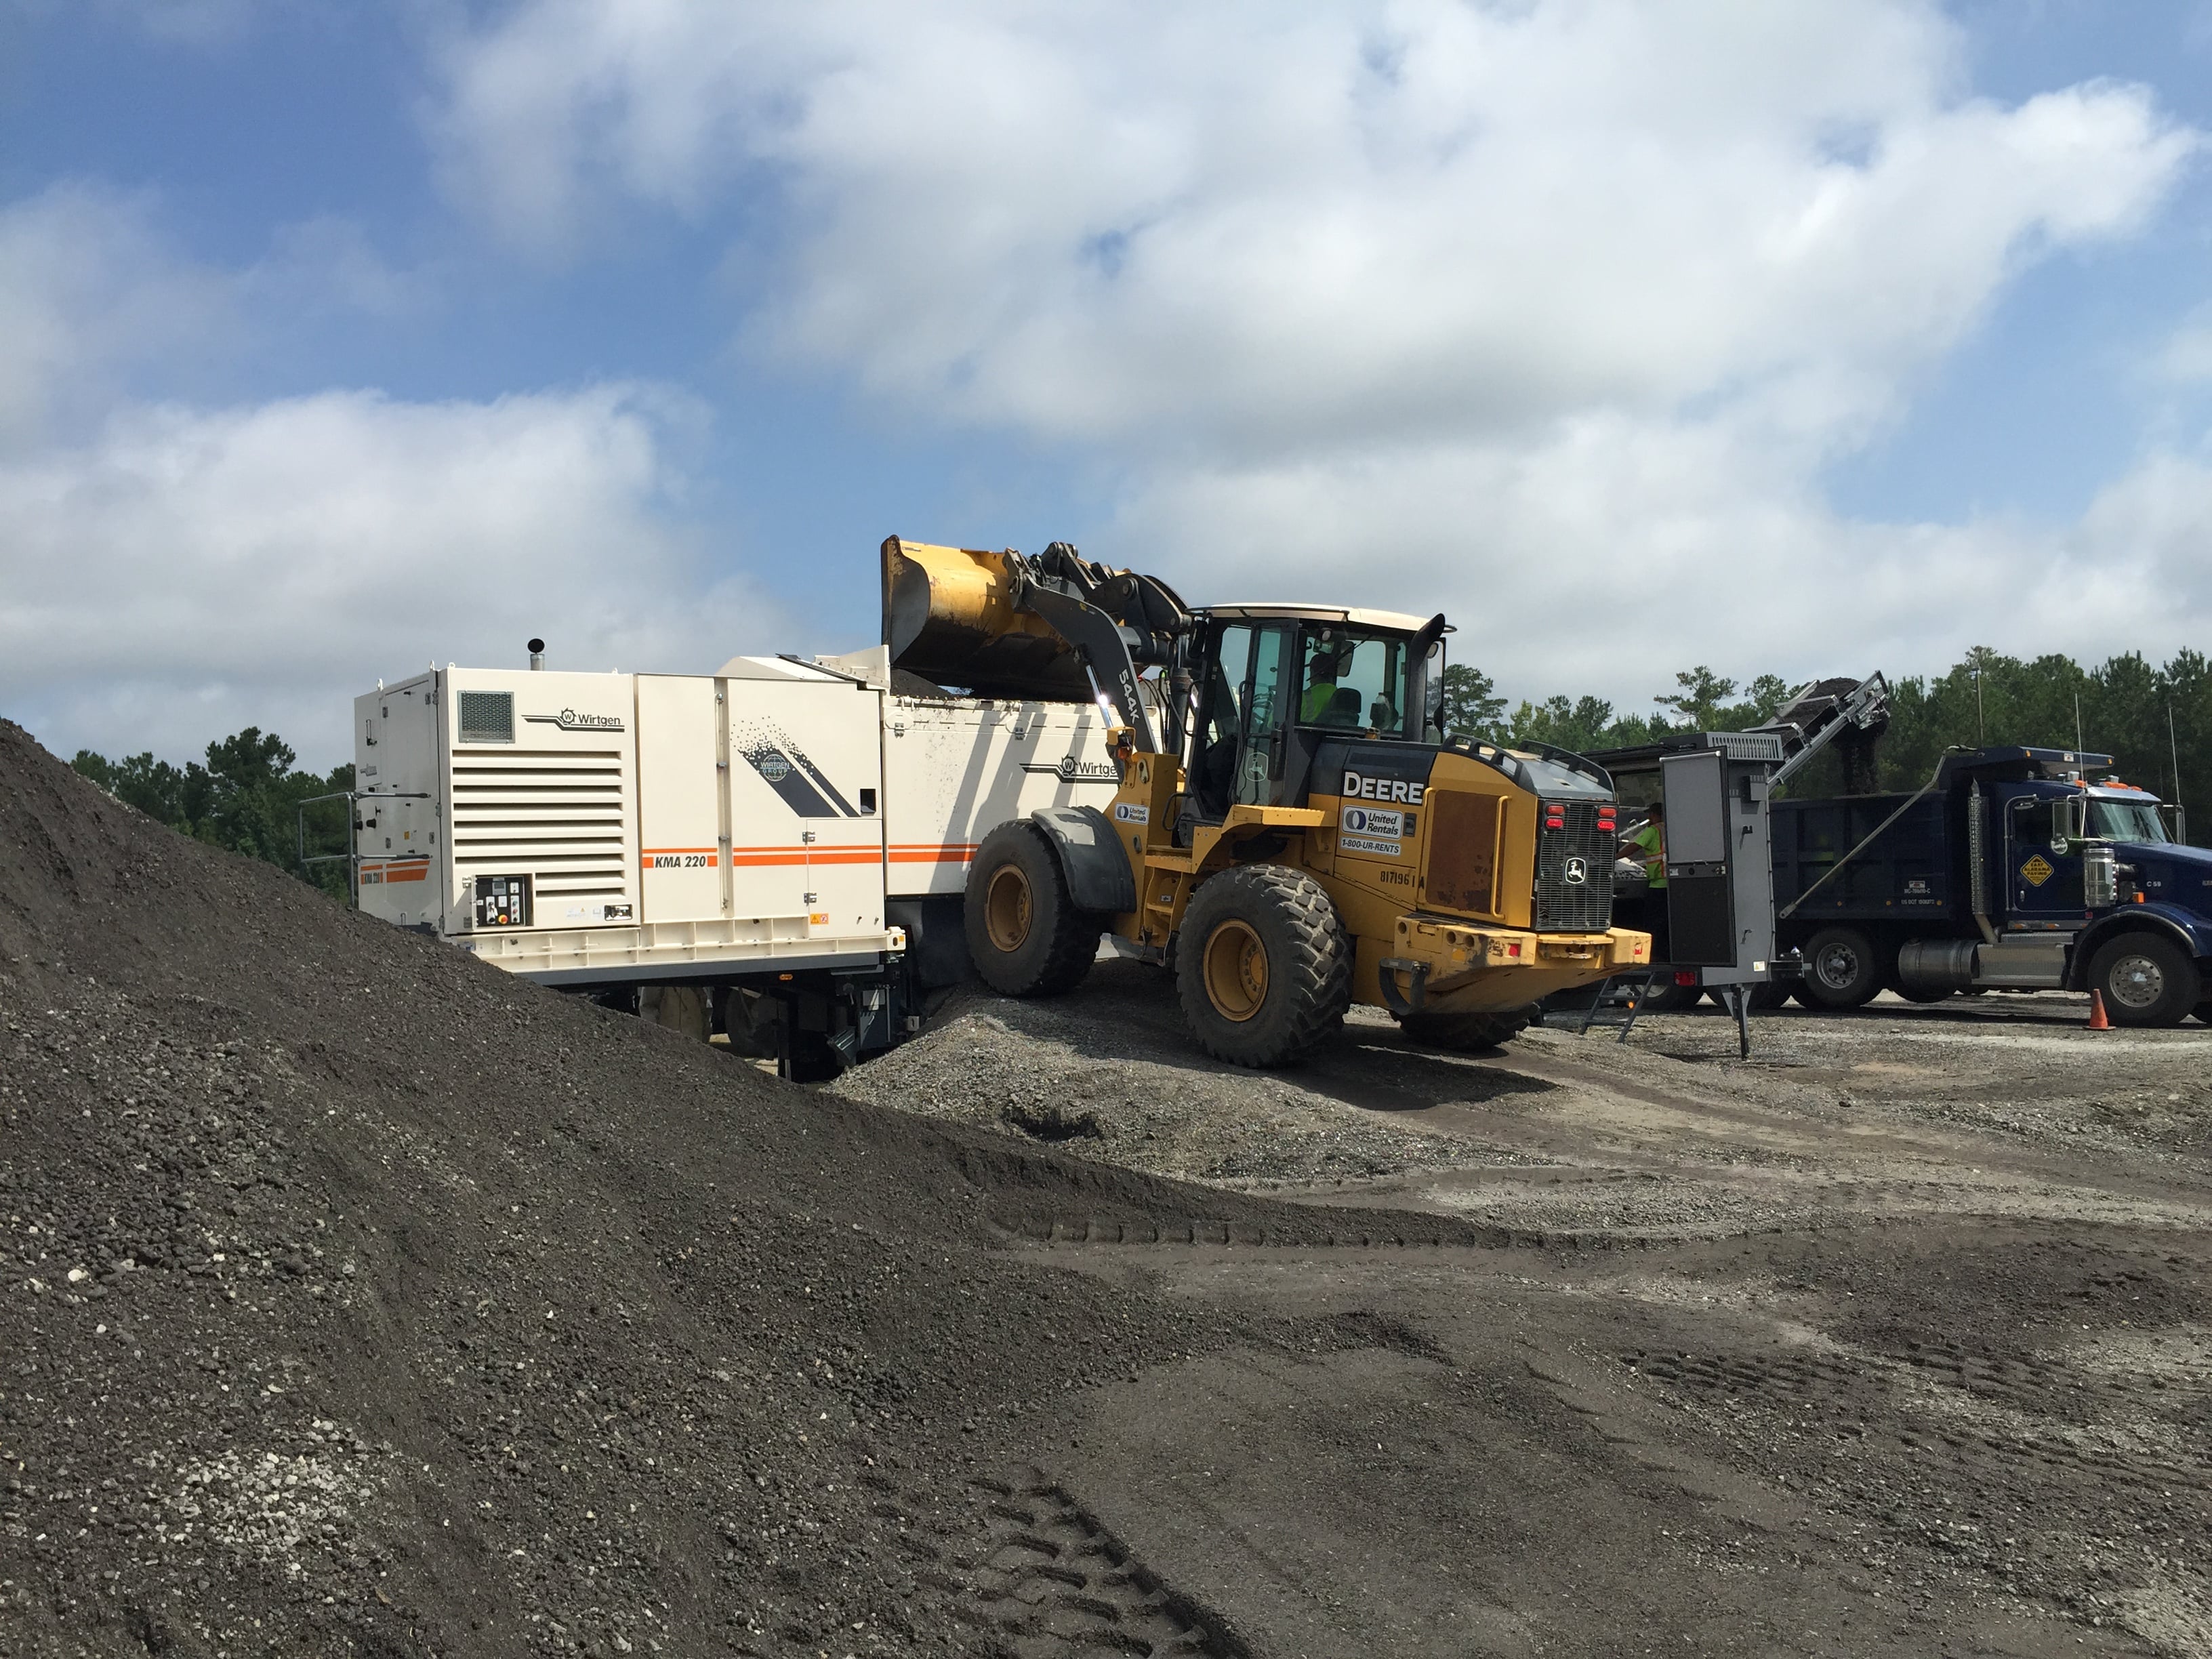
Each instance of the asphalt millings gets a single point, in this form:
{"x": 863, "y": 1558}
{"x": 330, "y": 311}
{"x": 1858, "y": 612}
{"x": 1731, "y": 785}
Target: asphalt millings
{"x": 358, "y": 1298}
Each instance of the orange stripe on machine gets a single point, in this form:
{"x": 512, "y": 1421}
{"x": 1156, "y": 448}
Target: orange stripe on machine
{"x": 951, "y": 851}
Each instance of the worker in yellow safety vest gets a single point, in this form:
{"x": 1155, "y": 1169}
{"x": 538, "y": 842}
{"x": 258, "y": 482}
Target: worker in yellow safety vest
{"x": 1325, "y": 660}
{"x": 1647, "y": 844}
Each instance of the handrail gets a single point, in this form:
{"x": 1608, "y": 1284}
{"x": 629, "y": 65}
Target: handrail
{"x": 352, "y": 856}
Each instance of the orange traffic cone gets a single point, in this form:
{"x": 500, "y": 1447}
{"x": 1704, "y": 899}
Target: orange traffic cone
{"x": 2097, "y": 1020}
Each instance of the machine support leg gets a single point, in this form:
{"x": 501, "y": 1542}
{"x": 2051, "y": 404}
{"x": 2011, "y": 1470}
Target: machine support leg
{"x": 1739, "y": 997}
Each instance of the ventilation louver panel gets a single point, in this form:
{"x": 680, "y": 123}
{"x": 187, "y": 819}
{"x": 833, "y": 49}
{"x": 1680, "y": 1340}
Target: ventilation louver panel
{"x": 555, "y": 815}
{"x": 487, "y": 717}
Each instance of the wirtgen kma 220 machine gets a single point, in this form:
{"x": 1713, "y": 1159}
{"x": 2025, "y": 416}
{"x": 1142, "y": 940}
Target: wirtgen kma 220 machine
{"x": 1042, "y": 752}
{"x": 1293, "y": 829}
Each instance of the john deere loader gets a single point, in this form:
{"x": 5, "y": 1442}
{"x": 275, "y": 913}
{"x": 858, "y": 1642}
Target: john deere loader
{"x": 1291, "y": 832}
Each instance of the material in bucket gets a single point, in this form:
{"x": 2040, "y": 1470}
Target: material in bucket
{"x": 963, "y": 616}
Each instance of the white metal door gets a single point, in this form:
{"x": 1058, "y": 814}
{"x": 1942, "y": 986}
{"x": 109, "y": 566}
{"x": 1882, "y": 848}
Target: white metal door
{"x": 806, "y": 828}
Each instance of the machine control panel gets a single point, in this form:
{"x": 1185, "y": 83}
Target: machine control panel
{"x": 502, "y": 902}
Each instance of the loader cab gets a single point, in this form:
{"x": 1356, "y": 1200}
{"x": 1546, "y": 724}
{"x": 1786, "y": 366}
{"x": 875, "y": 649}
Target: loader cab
{"x": 1272, "y": 682}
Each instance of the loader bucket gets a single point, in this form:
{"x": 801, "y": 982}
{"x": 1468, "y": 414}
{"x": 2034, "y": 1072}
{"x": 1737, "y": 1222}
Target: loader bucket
{"x": 949, "y": 617}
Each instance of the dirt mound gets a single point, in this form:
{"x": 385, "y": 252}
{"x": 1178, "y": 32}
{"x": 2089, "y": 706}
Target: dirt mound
{"x": 359, "y": 1297}
{"x": 1112, "y": 1073}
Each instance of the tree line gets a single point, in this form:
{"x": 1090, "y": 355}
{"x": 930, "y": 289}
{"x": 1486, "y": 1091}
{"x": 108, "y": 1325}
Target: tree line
{"x": 246, "y": 797}
{"x": 2155, "y": 722}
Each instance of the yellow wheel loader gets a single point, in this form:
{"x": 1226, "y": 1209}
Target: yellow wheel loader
{"x": 1292, "y": 832}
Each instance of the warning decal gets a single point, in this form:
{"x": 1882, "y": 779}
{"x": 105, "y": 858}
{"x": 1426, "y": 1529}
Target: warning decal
{"x": 2037, "y": 871}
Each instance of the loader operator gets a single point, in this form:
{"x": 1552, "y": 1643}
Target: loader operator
{"x": 1647, "y": 845}
{"x": 1325, "y": 703}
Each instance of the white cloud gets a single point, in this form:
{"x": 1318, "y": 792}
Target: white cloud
{"x": 1622, "y": 551}
{"x": 1270, "y": 228}
{"x": 88, "y": 289}
{"x": 1551, "y": 313}
{"x": 170, "y": 571}
{"x": 192, "y": 571}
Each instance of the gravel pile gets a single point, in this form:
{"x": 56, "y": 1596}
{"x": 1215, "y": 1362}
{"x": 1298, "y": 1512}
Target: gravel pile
{"x": 1107, "y": 1073}
{"x": 355, "y": 1297}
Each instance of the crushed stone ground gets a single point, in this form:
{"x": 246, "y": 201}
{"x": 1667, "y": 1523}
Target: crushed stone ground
{"x": 355, "y": 1298}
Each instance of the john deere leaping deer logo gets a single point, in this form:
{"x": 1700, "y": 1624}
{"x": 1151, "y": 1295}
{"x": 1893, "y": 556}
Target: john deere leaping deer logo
{"x": 1576, "y": 871}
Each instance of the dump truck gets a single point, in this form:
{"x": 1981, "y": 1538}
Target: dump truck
{"x": 1291, "y": 831}
{"x": 2013, "y": 868}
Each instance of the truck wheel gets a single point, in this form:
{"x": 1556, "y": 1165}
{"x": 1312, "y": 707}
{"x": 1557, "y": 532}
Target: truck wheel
{"x": 1921, "y": 993}
{"x": 1841, "y": 970}
{"x": 1024, "y": 931}
{"x": 1466, "y": 1034}
{"x": 1673, "y": 999}
{"x": 1263, "y": 967}
{"x": 1769, "y": 996}
{"x": 2146, "y": 981}
{"x": 2204, "y": 1011}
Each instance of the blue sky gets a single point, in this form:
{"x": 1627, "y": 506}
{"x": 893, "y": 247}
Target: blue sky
{"x": 337, "y": 337}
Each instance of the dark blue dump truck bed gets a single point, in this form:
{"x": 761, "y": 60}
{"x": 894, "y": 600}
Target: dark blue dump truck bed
{"x": 1913, "y": 872}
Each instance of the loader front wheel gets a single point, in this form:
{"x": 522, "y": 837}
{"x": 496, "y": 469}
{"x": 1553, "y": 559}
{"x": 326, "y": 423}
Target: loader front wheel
{"x": 1263, "y": 966}
{"x": 1466, "y": 1034}
{"x": 1024, "y": 931}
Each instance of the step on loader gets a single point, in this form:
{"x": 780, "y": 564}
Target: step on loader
{"x": 1291, "y": 831}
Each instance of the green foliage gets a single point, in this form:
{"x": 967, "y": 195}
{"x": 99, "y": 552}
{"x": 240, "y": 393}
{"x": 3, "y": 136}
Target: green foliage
{"x": 1472, "y": 705}
{"x": 245, "y": 798}
{"x": 2124, "y": 703}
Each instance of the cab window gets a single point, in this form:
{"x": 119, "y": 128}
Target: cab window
{"x": 2126, "y": 820}
{"x": 1353, "y": 681}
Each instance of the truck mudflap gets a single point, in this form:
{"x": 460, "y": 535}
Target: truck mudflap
{"x": 1447, "y": 966}
{"x": 2192, "y": 933}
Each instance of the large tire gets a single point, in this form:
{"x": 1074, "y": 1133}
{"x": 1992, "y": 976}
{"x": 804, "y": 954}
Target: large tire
{"x": 2145, "y": 980}
{"x": 1842, "y": 970}
{"x": 1026, "y": 936}
{"x": 2204, "y": 1011}
{"x": 1263, "y": 966}
{"x": 1770, "y": 995}
{"x": 1466, "y": 1034}
{"x": 1673, "y": 999}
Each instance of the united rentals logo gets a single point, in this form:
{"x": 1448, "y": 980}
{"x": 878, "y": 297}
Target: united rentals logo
{"x": 1068, "y": 769}
{"x": 569, "y": 720}
{"x": 1577, "y": 872}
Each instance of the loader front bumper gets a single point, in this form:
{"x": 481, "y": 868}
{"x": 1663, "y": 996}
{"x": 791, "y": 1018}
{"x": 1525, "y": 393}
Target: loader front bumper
{"x": 1452, "y": 967}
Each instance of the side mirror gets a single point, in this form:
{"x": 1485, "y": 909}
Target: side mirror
{"x": 2176, "y": 821}
{"x": 2069, "y": 821}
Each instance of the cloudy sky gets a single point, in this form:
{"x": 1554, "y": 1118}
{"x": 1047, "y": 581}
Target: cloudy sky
{"x": 339, "y": 335}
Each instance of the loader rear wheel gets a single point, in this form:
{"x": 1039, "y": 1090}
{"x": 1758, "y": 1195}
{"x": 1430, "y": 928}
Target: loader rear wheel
{"x": 1263, "y": 966}
{"x": 1024, "y": 931}
{"x": 1466, "y": 1034}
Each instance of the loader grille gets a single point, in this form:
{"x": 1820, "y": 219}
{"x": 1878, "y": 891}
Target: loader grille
{"x": 559, "y": 816}
{"x": 1565, "y": 905}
